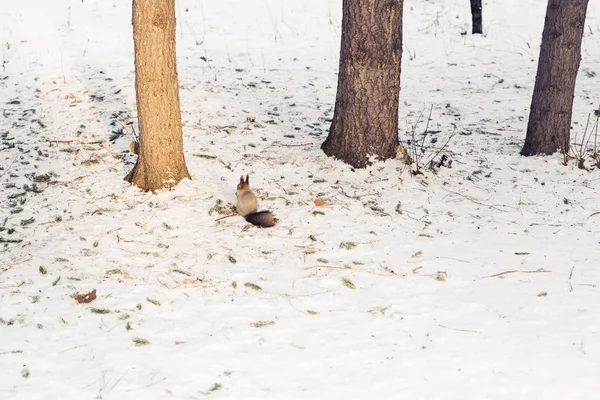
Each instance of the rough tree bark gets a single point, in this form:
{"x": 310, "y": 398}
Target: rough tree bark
{"x": 476, "y": 16}
{"x": 365, "y": 119}
{"x": 161, "y": 162}
{"x": 549, "y": 126}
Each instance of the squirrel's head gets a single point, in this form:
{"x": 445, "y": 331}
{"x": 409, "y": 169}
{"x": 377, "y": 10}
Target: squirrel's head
{"x": 243, "y": 185}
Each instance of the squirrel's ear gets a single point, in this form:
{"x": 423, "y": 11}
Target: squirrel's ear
{"x": 242, "y": 179}
{"x": 247, "y": 179}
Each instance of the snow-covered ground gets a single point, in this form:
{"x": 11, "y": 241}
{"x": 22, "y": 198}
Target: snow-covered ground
{"x": 478, "y": 281}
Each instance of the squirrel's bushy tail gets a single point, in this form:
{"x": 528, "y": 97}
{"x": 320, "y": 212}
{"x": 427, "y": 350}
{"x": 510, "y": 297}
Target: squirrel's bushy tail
{"x": 263, "y": 219}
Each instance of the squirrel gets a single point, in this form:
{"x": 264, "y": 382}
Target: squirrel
{"x": 247, "y": 204}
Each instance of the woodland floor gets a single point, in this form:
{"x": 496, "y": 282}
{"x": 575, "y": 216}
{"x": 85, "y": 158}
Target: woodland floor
{"x": 475, "y": 281}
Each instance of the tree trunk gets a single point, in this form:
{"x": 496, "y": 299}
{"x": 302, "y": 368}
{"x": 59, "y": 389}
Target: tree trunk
{"x": 161, "y": 162}
{"x": 476, "y": 16}
{"x": 365, "y": 120}
{"x": 549, "y": 126}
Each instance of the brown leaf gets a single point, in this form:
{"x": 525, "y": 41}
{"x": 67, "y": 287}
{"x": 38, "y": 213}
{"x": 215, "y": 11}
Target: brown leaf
{"x": 407, "y": 158}
{"x": 319, "y": 202}
{"x": 134, "y": 146}
{"x": 85, "y": 297}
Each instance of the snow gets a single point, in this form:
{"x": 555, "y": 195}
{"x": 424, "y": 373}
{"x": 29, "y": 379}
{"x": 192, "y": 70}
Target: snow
{"x": 478, "y": 281}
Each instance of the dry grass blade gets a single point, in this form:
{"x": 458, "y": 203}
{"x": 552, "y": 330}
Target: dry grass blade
{"x": 252, "y": 286}
{"x": 260, "y": 324}
{"x": 140, "y": 341}
{"x": 348, "y": 283}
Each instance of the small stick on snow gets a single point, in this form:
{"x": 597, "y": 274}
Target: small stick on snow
{"x": 61, "y": 141}
{"x": 475, "y": 201}
{"x": 295, "y": 145}
{"x": 180, "y": 271}
{"x": 570, "y": 276}
{"x": 388, "y": 272}
{"x": 227, "y": 216}
{"x": 518, "y": 270}
{"x": 459, "y": 330}
{"x": 324, "y": 266}
{"x": 356, "y": 197}
{"x": 2, "y": 240}
{"x": 15, "y": 263}
{"x": 10, "y": 166}
{"x": 166, "y": 285}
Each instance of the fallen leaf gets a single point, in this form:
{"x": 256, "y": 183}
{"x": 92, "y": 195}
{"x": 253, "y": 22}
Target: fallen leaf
{"x": 319, "y": 202}
{"x": 134, "y": 146}
{"x": 407, "y": 158}
{"x": 85, "y": 297}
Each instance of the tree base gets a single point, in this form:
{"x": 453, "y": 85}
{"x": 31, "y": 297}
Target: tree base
{"x": 352, "y": 157}
{"x": 154, "y": 182}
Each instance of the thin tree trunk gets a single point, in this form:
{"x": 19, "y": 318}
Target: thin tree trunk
{"x": 549, "y": 126}
{"x": 365, "y": 120}
{"x": 476, "y": 16}
{"x": 161, "y": 162}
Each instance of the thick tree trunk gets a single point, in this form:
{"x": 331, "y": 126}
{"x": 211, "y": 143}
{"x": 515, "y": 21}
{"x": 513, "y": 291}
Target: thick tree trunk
{"x": 549, "y": 126}
{"x": 365, "y": 120}
{"x": 161, "y": 162}
{"x": 476, "y": 16}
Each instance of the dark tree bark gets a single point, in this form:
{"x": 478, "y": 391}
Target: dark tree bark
{"x": 476, "y": 16}
{"x": 161, "y": 162}
{"x": 365, "y": 120}
{"x": 549, "y": 126}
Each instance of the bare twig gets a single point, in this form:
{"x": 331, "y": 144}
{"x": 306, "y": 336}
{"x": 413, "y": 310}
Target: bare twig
{"x": 11, "y": 352}
{"x": 442, "y": 148}
{"x": 518, "y": 270}
{"x": 324, "y": 266}
{"x": 180, "y": 271}
{"x": 417, "y": 151}
{"x": 227, "y": 216}
{"x": 61, "y": 141}
{"x": 426, "y": 128}
{"x": 570, "y": 276}
{"x": 135, "y": 137}
{"x": 459, "y": 330}
{"x": 296, "y": 145}
{"x": 475, "y": 201}
{"x": 579, "y": 150}
{"x": 3, "y": 240}
{"x": 9, "y": 266}
{"x": 10, "y": 166}
{"x": 358, "y": 196}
